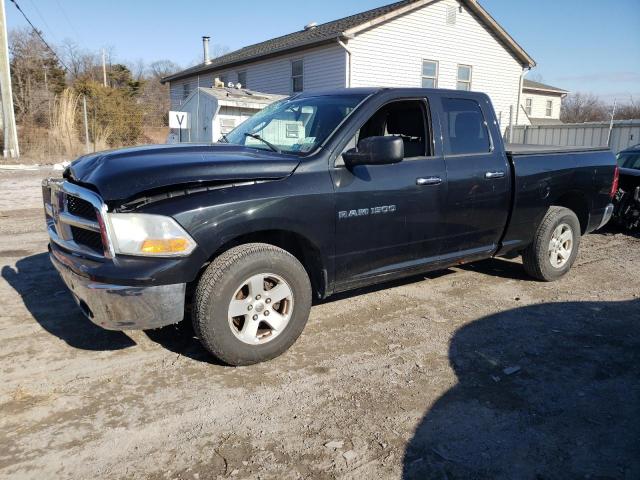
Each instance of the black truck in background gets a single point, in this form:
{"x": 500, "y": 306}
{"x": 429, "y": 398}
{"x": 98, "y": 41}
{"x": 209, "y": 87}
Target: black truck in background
{"x": 319, "y": 193}
{"x": 627, "y": 200}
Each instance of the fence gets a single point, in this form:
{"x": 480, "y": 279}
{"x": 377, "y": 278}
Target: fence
{"x": 625, "y": 133}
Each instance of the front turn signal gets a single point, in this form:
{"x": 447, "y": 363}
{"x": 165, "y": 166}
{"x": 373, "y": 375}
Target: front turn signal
{"x": 160, "y": 246}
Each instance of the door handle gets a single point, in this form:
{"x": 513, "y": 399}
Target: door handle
{"x": 428, "y": 181}
{"x": 492, "y": 175}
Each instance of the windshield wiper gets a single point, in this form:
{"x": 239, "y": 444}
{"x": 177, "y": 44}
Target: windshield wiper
{"x": 266, "y": 142}
{"x": 224, "y": 137}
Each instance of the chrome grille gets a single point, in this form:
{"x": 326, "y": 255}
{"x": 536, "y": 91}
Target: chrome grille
{"x": 75, "y": 216}
{"x": 81, "y": 208}
{"x": 90, "y": 239}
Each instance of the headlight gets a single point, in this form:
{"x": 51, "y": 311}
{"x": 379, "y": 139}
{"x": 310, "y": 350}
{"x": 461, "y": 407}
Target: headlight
{"x": 149, "y": 235}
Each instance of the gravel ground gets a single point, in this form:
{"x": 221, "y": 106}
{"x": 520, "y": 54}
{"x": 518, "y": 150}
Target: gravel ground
{"x": 473, "y": 372}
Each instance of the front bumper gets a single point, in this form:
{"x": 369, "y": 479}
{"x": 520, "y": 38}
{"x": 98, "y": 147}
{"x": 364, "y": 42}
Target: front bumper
{"x": 119, "y": 307}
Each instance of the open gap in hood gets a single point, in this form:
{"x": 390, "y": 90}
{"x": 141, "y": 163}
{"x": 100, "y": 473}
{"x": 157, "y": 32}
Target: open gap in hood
{"x": 178, "y": 191}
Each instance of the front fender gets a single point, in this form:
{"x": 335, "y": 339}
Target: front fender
{"x": 302, "y": 204}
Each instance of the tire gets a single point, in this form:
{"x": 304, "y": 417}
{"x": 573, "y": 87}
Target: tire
{"x": 549, "y": 261}
{"x": 232, "y": 284}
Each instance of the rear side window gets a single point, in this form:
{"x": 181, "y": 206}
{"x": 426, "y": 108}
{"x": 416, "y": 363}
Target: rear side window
{"x": 466, "y": 128}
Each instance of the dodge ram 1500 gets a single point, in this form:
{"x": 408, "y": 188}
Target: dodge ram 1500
{"x": 319, "y": 193}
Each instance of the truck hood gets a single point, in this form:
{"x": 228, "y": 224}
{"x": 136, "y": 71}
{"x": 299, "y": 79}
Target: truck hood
{"x": 125, "y": 173}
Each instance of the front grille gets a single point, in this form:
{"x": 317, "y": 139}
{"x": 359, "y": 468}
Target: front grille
{"x": 90, "y": 239}
{"x": 74, "y": 218}
{"x": 81, "y": 208}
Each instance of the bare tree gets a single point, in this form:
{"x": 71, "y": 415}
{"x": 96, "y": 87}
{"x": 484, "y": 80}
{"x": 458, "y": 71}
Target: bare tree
{"x": 138, "y": 69}
{"x": 583, "y": 107}
{"x": 36, "y": 76}
{"x": 155, "y": 95}
{"x": 82, "y": 63}
{"x": 628, "y": 111}
{"x": 162, "y": 68}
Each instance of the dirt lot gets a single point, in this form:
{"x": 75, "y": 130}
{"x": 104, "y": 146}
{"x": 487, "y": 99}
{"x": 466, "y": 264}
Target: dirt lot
{"x": 474, "y": 372}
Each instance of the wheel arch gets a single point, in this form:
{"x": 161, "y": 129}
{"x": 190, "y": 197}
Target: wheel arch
{"x": 576, "y": 202}
{"x": 305, "y": 251}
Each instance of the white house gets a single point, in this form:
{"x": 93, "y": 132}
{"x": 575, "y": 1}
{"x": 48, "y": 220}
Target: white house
{"x": 540, "y": 104}
{"x": 411, "y": 43}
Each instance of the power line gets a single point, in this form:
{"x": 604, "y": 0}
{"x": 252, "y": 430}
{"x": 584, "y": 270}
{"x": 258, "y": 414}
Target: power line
{"x": 66, "y": 17}
{"x": 37, "y": 32}
{"x": 44, "y": 21}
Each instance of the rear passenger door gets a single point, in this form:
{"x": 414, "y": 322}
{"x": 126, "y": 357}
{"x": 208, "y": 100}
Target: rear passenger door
{"x": 479, "y": 182}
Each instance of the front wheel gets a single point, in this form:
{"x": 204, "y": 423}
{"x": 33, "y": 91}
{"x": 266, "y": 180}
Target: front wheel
{"x": 555, "y": 245}
{"x": 251, "y": 304}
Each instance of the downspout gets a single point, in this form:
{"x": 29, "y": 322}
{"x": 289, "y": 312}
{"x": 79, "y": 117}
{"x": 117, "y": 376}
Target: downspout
{"x": 349, "y": 54}
{"x": 522, "y": 74}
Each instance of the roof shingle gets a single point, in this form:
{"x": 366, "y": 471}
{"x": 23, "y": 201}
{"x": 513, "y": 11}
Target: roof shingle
{"x": 541, "y": 86}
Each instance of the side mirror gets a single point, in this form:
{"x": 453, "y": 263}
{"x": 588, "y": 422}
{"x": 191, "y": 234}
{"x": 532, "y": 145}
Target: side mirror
{"x": 375, "y": 151}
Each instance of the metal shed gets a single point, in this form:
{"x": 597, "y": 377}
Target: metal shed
{"x": 216, "y": 111}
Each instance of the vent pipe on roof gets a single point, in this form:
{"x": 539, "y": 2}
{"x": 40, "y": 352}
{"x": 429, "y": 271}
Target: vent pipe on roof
{"x": 205, "y": 50}
{"x": 311, "y": 26}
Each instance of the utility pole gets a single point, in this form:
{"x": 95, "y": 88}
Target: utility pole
{"x": 9, "y": 119}
{"x": 613, "y": 115}
{"x": 104, "y": 68}
{"x": 86, "y": 123}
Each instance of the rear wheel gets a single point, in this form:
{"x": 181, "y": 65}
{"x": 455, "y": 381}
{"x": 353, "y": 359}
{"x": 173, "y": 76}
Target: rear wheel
{"x": 251, "y": 304}
{"x": 555, "y": 245}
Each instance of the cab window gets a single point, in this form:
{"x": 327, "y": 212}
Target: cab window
{"x": 467, "y": 131}
{"x": 405, "y": 119}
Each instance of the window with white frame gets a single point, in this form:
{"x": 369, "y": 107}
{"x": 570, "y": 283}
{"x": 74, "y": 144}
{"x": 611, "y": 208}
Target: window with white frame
{"x": 549, "y": 109}
{"x": 297, "y": 76}
{"x": 528, "y": 105}
{"x": 242, "y": 78}
{"x": 429, "y": 74}
{"x": 464, "y": 77}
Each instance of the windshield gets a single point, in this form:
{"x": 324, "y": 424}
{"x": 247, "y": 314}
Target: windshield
{"x": 297, "y": 125}
{"x": 629, "y": 160}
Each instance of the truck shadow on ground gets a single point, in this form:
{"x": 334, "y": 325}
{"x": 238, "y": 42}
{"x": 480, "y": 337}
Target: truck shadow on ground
{"x": 52, "y": 306}
{"x": 499, "y": 267}
{"x": 181, "y": 338}
{"x": 544, "y": 391}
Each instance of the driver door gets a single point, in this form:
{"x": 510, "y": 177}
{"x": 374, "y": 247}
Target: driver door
{"x": 389, "y": 217}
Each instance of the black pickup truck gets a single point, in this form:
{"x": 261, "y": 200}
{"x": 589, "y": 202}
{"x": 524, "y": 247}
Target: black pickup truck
{"x": 627, "y": 200}
{"x": 317, "y": 194}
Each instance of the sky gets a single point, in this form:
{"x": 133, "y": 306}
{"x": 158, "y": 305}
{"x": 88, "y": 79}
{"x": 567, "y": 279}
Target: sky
{"x": 579, "y": 45}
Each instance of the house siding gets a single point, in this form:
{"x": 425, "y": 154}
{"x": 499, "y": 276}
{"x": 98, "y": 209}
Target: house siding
{"x": 539, "y": 104}
{"x": 324, "y": 67}
{"x": 391, "y": 54}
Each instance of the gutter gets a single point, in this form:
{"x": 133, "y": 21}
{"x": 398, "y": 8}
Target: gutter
{"x": 522, "y": 74}
{"x": 349, "y": 56}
